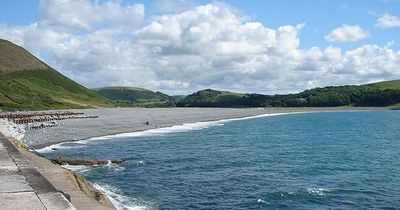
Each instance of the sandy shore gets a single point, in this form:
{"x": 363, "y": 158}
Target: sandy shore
{"x": 124, "y": 120}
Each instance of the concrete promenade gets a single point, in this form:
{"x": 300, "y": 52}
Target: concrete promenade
{"x": 22, "y": 186}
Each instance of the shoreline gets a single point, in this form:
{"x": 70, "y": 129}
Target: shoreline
{"x": 254, "y": 113}
{"x": 206, "y": 124}
{"x": 128, "y": 120}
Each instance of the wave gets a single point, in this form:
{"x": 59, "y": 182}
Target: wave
{"x": 77, "y": 168}
{"x": 62, "y": 145}
{"x": 84, "y": 168}
{"x": 317, "y": 191}
{"x": 159, "y": 131}
{"x": 185, "y": 127}
{"x": 120, "y": 201}
{"x": 113, "y": 166}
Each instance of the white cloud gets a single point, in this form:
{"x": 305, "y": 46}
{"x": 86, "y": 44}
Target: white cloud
{"x": 347, "y": 33}
{"x": 174, "y": 6}
{"x": 89, "y": 15}
{"x": 208, "y": 46}
{"x": 388, "y": 21}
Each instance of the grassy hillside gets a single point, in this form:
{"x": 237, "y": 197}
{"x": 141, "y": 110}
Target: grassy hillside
{"x": 45, "y": 89}
{"x": 376, "y": 94}
{"x": 212, "y": 98}
{"x": 16, "y": 58}
{"x": 393, "y": 85}
{"x": 132, "y": 96}
{"x": 26, "y": 83}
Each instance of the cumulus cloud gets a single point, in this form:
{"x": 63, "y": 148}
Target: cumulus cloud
{"x": 87, "y": 15}
{"x": 347, "y": 33}
{"x": 388, "y": 21}
{"x": 206, "y": 46}
{"x": 174, "y": 6}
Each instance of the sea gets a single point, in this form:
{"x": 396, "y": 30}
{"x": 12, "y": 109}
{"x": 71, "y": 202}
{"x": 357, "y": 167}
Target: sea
{"x": 318, "y": 160}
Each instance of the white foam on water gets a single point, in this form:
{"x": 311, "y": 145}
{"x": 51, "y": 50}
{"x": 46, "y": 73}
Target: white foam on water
{"x": 120, "y": 202}
{"x": 140, "y": 163}
{"x": 77, "y": 168}
{"x": 159, "y": 131}
{"x": 113, "y": 166}
{"x": 185, "y": 127}
{"x": 317, "y": 191}
{"x": 60, "y": 146}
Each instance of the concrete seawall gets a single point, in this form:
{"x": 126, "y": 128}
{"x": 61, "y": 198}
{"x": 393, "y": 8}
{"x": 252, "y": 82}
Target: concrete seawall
{"x": 22, "y": 186}
{"x": 28, "y": 181}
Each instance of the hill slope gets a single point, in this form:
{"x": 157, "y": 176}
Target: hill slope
{"x": 26, "y": 83}
{"x": 376, "y": 94}
{"x": 212, "y": 98}
{"x": 132, "y": 96}
{"x": 392, "y": 85}
{"x": 15, "y": 58}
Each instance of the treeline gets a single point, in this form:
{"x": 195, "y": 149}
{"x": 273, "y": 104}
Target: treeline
{"x": 318, "y": 97}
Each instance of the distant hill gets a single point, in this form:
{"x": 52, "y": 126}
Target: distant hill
{"x": 392, "y": 85}
{"x": 27, "y": 83}
{"x": 132, "y": 96}
{"x": 376, "y": 94}
{"x": 178, "y": 97}
{"x": 211, "y": 98}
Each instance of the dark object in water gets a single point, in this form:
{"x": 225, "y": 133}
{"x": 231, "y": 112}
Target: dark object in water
{"x": 70, "y": 161}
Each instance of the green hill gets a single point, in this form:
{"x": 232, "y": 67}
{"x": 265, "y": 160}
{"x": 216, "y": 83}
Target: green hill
{"x": 376, "y": 94}
{"x": 393, "y": 85}
{"x": 26, "y": 83}
{"x": 132, "y": 96}
{"x": 211, "y": 98}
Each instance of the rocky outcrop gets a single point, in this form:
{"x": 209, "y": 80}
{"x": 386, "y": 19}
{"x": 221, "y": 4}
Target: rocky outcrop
{"x": 71, "y": 161}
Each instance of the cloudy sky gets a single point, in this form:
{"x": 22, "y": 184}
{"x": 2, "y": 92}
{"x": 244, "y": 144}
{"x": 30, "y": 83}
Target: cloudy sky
{"x": 181, "y": 46}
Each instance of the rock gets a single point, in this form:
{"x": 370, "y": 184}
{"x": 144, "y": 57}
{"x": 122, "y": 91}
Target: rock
{"x": 70, "y": 161}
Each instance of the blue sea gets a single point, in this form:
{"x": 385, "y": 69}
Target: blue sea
{"x": 325, "y": 160}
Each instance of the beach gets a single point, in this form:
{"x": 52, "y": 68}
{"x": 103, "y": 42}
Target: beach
{"x": 124, "y": 120}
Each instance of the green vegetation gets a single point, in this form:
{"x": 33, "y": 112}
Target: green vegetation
{"x": 16, "y": 58}
{"x": 376, "y": 94}
{"x": 26, "y": 83}
{"x": 393, "y": 85}
{"x": 45, "y": 89}
{"x": 131, "y": 96}
{"x": 211, "y": 98}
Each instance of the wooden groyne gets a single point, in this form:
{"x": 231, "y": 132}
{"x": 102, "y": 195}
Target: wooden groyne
{"x": 71, "y": 161}
{"x": 40, "y": 120}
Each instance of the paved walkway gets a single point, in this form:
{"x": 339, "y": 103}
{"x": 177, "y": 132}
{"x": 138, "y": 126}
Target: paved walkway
{"x": 22, "y": 186}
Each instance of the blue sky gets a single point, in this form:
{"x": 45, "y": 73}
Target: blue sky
{"x": 320, "y": 16}
{"x": 355, "y": 21}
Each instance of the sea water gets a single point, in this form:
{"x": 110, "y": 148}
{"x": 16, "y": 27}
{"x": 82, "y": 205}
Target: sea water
{"x": 326, "y": 160}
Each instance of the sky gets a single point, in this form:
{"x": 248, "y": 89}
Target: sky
{"x": 182, "y": 46}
